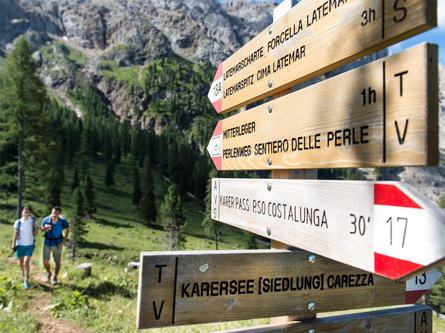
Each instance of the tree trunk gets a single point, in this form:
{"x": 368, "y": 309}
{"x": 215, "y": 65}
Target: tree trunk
{"x": 216, "y": 237}
{"x": 20, "y": 178}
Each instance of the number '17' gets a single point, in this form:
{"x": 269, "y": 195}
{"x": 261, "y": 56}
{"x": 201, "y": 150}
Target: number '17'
{"x": 399, "y": 219}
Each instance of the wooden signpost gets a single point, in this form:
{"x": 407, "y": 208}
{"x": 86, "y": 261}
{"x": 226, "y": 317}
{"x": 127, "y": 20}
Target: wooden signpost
{"x": 178, "y": 288}
{"x": 416, "y": 318}
{"x": 313, "y": 38}
{"x": 381, "y": 227}
{"x": 372, "y": 116}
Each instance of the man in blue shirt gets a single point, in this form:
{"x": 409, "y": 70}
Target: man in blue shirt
{"x": 53, "y": 227}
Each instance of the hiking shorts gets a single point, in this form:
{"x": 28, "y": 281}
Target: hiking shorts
{"x": 24, "y": 251}
{"x": 56, "y": 250}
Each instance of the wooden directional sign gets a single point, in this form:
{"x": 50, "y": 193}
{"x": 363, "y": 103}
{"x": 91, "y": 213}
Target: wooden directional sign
{"x": 382, "y": 114}
{"x": 381, "y": 227}
{"x": 411, "y": 319}
{"x": 315, "y": 37}
{"x": 179, "y": 288}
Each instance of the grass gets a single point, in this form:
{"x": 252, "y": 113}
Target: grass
{"x": 128, "y": 75}
{"x": 106, "y": 301}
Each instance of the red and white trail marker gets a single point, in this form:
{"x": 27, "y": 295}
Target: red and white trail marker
{"x": 387, "y": 228}
{"x": 417, "y": 286}
{"x": 215, "y": 92}
{"x": 214, "y": 147}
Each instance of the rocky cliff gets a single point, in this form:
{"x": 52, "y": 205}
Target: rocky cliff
{"x": 194, "y": 29}
{"x": 106, "y": 44}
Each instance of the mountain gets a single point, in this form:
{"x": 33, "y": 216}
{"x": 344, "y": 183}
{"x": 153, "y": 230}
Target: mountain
{"x": 115, "y": 47}
{"x": 194, "y": 29}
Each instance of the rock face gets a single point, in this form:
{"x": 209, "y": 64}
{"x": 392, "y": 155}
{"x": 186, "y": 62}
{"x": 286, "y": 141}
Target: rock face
{"x": 148, "y": 29}
{"x": 75, "y": 41}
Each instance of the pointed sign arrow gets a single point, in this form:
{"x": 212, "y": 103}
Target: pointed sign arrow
{"x": 382, "y": 114}
{"x": 381, "y": 227}
{"x": 181, "y": 288}
{"x": 313, "y": 38}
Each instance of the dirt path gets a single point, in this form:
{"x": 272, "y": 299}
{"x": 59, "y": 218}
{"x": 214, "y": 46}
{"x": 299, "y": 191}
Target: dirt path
{"x": 47, "y": 324}
{"x": 40, "y": 309}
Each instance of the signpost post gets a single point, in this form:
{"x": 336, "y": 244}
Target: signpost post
{"x": 313, "y": 38}
{"x": 179, "y": 288}
{"x": 381, "y": 227}
{"x": 372, "y": 116}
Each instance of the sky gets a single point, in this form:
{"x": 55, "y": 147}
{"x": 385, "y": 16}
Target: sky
{"x": 436, "y": 35}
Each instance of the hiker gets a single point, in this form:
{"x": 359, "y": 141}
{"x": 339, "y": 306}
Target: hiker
{"x": 25, "y": 229}
{"x": 53, "y": 226}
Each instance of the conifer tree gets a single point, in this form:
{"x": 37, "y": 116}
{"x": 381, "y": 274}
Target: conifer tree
{"x": 173, "y": 218}
{"x": 147, "y": 203}
{"x": 109, "y": 181}
{"x": 54, "y": 190}
{"x": 55, "y": 178}
{"x": 22, "y": 121}
{"x": 75, "y": 183}
{"x": 137, "y": 194}
{"x": 210, "y": 226}
{"x": 251, "y": 242}
{"x": 78, "y": 226}
{"x": 90, "y": 206}
{"x": 199, "y": 177}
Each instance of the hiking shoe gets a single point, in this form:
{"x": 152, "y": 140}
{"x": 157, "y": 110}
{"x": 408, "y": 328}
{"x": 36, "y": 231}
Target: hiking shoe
{"x": 54, "y": 282}
{"x": 48, "y": 277}
{"x": 26, "y": 285}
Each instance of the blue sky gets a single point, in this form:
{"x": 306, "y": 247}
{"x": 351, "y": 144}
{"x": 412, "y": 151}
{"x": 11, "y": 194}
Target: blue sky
{"x": 436, "y": 35}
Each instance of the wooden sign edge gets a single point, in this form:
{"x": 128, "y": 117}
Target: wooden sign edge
{"x": 312, "y": 323}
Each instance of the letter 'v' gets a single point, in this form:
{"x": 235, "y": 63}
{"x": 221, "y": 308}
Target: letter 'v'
{"x": 157, "y": 315}
{"x": 401, "y": 139}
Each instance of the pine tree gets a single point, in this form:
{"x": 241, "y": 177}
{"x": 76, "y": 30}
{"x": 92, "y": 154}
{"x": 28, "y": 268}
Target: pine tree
{"x": 54, "y": 186}
{"x": 199, "y": 177}
{"x": 210, "y": 226}
{"x": 251, "y": 243}
{"x": 173, "y": 218}
{"x": 147, "y": 203}
{"x": 90, "y": 206}
{"x": 75, "y": 183}
{"x": 137, "y": 194}
{"x": 435, "y": 297}
{"x": 22, "y": 121}
{"x": 78, "y": 226}
{"x": 109, "y": 181}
